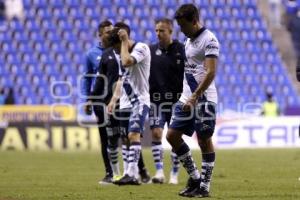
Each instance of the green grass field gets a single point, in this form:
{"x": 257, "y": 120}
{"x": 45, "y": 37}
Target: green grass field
{"x": 239, "y": 174}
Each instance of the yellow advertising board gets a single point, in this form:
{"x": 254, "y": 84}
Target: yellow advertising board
{"x": 39, "y": 113}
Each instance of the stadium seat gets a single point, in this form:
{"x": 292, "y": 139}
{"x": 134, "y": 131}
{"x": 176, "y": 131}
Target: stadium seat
{"x": 51, "y": 41}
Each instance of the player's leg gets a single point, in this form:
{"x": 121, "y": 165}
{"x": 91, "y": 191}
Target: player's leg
{"x": 144, "y": 175}
{"x": 104, "y": 145}
{"x": 182, "y": 123}
{"x": 124, "y": 118}
{"x": 174, "y": 158}
{"x": 175, "y": 168}
{"x": 205, "y": 130}
{"x": 113, "y": 135}
{"x": 135, "y": 129}
{"x": 124, "y": 122}
{"x": 156, "y": 126}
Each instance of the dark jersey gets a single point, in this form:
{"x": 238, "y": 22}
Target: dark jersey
{"x": 108, "y": 67}
{"x": 166, "y": 72}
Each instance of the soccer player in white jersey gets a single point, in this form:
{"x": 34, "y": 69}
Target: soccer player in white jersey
{"x": 135, "y": 68}
{"x": 196, "y": 108}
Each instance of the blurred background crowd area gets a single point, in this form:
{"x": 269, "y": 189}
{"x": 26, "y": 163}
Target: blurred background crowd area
{"x": 43, "y": 45}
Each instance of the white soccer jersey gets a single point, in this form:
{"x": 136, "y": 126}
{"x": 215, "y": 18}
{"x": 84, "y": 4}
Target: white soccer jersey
{"x": 124, "y": 101}
{"x": 136, "y": 78}
{"x": 205, "y": 44}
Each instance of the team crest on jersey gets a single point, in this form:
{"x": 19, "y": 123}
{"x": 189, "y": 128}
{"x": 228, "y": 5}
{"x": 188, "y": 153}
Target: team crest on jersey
{"x": 98, "y": 58}
{"x": 158, "y": 52}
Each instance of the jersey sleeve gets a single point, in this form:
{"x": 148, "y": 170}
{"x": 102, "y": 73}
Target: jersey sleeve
{"x": 86, "y": 80}
{"x": 140, "y": 52}
{"x": 212, "y": 47}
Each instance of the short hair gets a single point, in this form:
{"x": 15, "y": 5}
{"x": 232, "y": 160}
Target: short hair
{"x": 103, "y": 24}
{"x": 165, "y": 20}
{"x": 122, "y": 25}
{"x": 114, "y": 36}
{"x": 188, "y": 12}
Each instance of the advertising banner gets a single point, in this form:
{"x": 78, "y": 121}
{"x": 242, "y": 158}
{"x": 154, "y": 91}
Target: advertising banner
{"x": 248, "y": 132}
{"x": 252, "y": 132}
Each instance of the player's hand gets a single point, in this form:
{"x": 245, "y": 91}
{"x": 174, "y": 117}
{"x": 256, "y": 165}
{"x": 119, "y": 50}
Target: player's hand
{"x": 88, "y": 108}
{"x": 191, "y": 103}
{"x": 123, "y": 35}
{"x": 111, "y": 107}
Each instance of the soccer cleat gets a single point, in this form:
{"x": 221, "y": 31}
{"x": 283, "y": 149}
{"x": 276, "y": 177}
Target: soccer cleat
{"x": 198, "y": 193}
{"x": 173, "y": 178}
{"x": 116, "y": 177}
{"x": 108, "y": 179}
{"x": 145, "y": 178}
{"x": 159, "y": 177}
{"x": 127, "y": 180}
{"x": 190, "y": 187}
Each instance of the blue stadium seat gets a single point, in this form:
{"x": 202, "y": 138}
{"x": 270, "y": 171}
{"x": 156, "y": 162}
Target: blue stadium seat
{"x": 51, "y": 42}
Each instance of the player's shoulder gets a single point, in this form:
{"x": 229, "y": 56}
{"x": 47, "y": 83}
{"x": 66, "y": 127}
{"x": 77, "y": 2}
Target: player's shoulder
{"x": 209, "y": 36}
{"x": 141, "y": 45}
{"x": 177, "y": 44}
{"x": 107, "y": 51}
{"x": 142, "y": 48}
{"x": 153, "y": 46}
{"x": 93, "y": 50}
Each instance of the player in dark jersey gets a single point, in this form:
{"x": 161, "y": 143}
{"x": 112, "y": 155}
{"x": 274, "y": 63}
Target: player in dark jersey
{"x": 93, "y": 57}
{"x": 166, "y": 77}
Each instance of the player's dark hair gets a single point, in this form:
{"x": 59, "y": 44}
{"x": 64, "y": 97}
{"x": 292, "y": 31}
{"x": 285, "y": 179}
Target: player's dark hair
{"x": 164, "y": 20}
{"x": 103, "y": 24}
{"x": 122, "y": 25}
{"x": 114, "y": 36}
{"x": 188, "y": 12}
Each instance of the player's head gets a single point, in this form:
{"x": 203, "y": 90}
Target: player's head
{"x": 164, "y": 29}
{"x": 114, "y": 38}
{"x": 187, "y": 17}
{"x": 104, "y": 29}
{"x": 269, "y": 96}
{"x": 122, "y": 25}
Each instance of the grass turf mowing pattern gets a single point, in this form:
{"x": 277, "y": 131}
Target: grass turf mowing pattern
{"x": 260, "y": 174}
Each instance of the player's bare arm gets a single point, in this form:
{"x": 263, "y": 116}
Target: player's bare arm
{"x": 210, "y": 64}
{"x": 126, "y": 59}
{"x": 115, "y": 97}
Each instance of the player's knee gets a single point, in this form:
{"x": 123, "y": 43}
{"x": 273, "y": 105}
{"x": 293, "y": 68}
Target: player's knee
{"x": 113, "y": 141}
{"x": 134, "y": 137}
{"x": 172, "y": 137}
{"x": 206, "y": 145}
{"x": 156, "y": 134}
{"x": 205, "y": 132}
{"x": 169, "y": 137}
{"x": 125, "y": 141}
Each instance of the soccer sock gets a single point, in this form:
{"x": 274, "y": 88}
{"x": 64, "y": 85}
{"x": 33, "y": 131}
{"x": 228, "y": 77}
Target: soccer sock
{"x": 105, "y": 154}
{"x": 113, "y": 153}
{"x": 125, "y": 154}
{"x": 208, "y": 162}
{"x": 185, "y": 157}
{"x": 175, "y": 162}
{"x": 134, "y": 155}
{"x": 157, "y": 153}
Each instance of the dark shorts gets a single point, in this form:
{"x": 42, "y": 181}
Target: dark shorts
{"x": 201, "y": 119}
{"x": 159, "y": 115}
